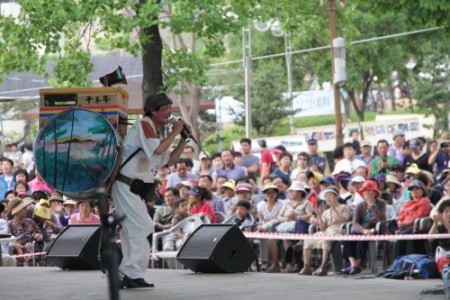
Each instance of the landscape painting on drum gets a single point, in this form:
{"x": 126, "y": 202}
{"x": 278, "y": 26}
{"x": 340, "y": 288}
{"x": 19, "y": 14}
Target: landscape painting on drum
{"x": 75, "y": 151}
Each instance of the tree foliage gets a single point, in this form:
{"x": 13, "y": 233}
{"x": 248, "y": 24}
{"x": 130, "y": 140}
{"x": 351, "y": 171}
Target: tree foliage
{"x": 430, "y": 82}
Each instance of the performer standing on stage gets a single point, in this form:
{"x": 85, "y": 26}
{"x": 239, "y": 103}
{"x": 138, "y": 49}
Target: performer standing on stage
{"x": 148, "y": 148}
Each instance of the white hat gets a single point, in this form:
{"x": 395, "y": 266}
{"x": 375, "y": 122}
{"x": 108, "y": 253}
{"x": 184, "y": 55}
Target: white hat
{"x": 299, "y": 186}
{"x": 357, "y": 179}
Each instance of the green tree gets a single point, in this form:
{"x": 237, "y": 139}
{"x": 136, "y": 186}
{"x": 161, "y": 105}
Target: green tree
{"x": 65, "y": 30}
{"x": 430, "y": 82}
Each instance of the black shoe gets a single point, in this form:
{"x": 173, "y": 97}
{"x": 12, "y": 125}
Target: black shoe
{"x": 355, "y": 270}
{"x": 129, "y": 283}
{"x": 346, "y": 271}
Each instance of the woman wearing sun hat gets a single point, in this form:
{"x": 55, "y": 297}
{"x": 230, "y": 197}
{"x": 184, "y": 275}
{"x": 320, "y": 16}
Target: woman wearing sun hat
{"x": 25, "y": 230}
{"x": 298, "y": 208}
{"x": 268, "y": 211}
{"x": 329, "y": 222}
{"x": 367, "y": 214}
{"x": 418, "y": 207}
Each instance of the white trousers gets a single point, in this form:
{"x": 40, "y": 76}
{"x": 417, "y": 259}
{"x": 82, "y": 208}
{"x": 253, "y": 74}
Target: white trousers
{"x": 136, "y": 226}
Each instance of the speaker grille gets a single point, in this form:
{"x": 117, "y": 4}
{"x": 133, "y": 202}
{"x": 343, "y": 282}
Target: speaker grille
{"x": 203, "y": 242}
{"x": 217, "y": 248}
{"x": 73, "y": 240}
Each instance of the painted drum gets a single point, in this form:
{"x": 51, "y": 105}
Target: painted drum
{"x": 75, "y": 152}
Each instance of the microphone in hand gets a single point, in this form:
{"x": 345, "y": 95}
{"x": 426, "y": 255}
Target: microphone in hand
{"x": 185, "y": 133}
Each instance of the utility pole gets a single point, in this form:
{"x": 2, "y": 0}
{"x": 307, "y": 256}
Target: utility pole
{"x": 337, "y": 94}
{"x": 247, "y": 62}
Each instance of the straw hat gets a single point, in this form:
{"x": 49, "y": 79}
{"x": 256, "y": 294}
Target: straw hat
{"x": 393, "y": 179}
{"x": 412, "y": 169}
{"x": 56, "y": 197}
{"x": 20, "y": 205}
{"x": 70, "y": 202}
{"x": 270, "y": 186}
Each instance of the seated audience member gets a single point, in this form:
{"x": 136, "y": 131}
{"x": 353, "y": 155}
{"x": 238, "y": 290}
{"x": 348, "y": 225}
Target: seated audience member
{"x": 22, "y": 188}
{"x": 183, "y": 187}
{"x": 164, "y": 214}
{"x": 283, "y": 184}
{"x": 21, "y": 175}
{"x": 9, "y": 195}
{"x": 243, "y": 217}
{"x": 198, "y": 206}
{"x": 216, "y": 202}
{"x": 313, "y": 183}
{"x": 56, "y": 203}
{"x": 393, "y": 187}
{"x": 244, "y": 192}
{"x": 182, "y": 174}
{"x": 441, "y": 224}
{"x": 228, "y": 193}
{"x": 356, "y": 182}
{"x": 69, "y": 209}
{"x": 205, "y": 165}
{"x": 174, "y": 240}
{"x": 29, "y": 238}
{"x": 42, "y": 216}
{"x": 85, "y": 215}
{"x": 299, "y": 208}
{"x": 268, "y": 211}
{"x": 367, "y": 214}
{"x": 218, "y": 184}
{"x": 418, "y": 207}
{"x": 38, "y": 184}
{"x": 7, "y": 259}
{"x": 285, "y": 165}
{"x": 329, "y": 222}
{"x": 380, "y": 179}
{"x": 302, "y": 165}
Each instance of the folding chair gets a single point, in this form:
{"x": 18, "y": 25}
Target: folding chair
{"x": 188, "y": 226}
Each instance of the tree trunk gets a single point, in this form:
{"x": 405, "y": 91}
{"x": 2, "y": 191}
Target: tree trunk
{"x": 359, "y": 112}
{"x": 26, "y": 132}
{"x": 393, "y": 103}
{"x": 365, "y": 93}
{"x": 152, "y": 81}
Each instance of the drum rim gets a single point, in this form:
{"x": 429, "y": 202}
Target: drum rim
{"x": 80, "y": 195}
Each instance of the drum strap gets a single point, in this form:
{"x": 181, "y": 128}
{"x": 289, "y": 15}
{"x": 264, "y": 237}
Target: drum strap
{"x": 129, "y": 158}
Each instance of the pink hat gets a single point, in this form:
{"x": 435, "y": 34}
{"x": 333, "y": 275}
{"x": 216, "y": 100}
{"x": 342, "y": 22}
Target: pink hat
{"x": 244, "y": 187}
{"x": 276, "y": 151}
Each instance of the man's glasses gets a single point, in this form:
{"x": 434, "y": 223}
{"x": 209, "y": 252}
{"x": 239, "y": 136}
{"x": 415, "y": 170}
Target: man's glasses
{"x": 302, "y": 158}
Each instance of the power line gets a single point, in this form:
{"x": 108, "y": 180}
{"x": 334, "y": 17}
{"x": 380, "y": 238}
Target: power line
{"x": 328, "y": 47}
{"x": 283, "y": 54}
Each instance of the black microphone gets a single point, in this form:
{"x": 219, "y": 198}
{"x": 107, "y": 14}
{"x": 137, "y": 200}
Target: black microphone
{"x": 185, "y": 133}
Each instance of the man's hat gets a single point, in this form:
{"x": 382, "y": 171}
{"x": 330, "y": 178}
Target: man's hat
{"x": 312, "y": 142}
{"x": 123, "y": 120}
{"x": 155, "y": 101}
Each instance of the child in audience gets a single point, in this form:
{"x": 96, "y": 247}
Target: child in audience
{"x": 243, "y": 216}
{"x": 174, "y": 240}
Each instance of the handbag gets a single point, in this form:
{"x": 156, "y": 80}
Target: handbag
{"x": 285, "y": 227}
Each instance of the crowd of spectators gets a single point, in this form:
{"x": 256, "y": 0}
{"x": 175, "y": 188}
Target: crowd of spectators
{"x": 274, "y": 191}
{"x": 393, "y": 183}
{"x": 32, "y": 211}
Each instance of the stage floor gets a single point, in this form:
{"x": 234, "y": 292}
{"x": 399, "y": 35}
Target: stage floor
{"x": 53, "y": 283}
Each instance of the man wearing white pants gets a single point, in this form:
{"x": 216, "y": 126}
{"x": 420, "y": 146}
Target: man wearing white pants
{"x": 145, "y": 148}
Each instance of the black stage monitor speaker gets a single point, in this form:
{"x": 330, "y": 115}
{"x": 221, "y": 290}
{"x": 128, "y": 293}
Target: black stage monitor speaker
{"x": 217, "y": 248}
{"x": 76, "y": 248}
